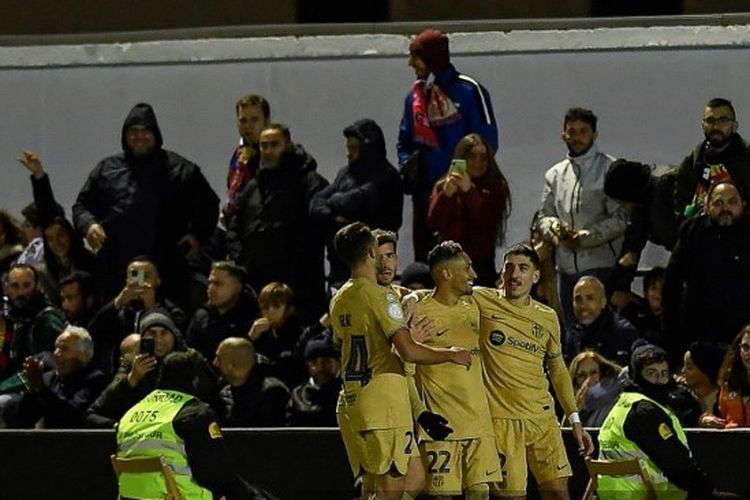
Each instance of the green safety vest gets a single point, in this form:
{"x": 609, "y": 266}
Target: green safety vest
{"x": 146, "y": 431}
{"x": 613, "y": 445}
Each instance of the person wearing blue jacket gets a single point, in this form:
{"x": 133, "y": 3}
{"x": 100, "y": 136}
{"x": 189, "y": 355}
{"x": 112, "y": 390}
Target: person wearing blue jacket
{"x": 441, "y": 108}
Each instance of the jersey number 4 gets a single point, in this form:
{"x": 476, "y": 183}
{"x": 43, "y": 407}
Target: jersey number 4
{"x": 357, "y": 369}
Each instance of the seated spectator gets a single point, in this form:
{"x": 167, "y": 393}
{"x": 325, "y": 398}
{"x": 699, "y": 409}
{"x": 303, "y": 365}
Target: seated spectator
{"x": 645, "y": 313}
{"x": 120, "y": 316}
{"x": 63, "y": 253}
{"x": 700, "y": 374}
{"x": 61, "y": 396}
{"x": 596, "y": 384}
{"x": 471, "y": 204}
{"x": 597, "y": 326}
{"x": 368, "y": 189}
{"x": 313, "y": 404}
{"x": 276, "y": 334}
{"x": 10, "y": 242}
{"x": 230, "y": 311}
{"x": 416, "y": 276}
{"x": 32, "y": 324}
{"x": 78, "y": 298}
{"x": 137, "y": 376}
{"x": 251, "y": 399}
{"x": 734, "y": 380}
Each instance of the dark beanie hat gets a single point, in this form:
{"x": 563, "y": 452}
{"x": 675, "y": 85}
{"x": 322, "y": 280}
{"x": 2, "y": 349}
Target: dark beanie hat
{"x": 627, "y": 180}
{"x": 320, "y": 346}
{"x": 707, "y": 357}
{"x": 645, "y": 354}
{"x": 158, "y": 317}
{"x": 417, "y": 272}
{"x": 431, "y": 46}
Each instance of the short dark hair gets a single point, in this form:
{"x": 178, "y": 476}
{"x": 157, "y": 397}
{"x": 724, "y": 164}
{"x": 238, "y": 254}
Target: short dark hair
{"x": 85, "y": 282}
{"x": 383, "y": 236}
{"x": 526, "y": 250}
{"x": 281, "y": 128}
{"x": 27, "y": 267}
{"x": 177, "y": 372}
{"x": 235, "y": 270}
{"x": 720, "y": 102}
{"x": 352, "y": 243}
{"x": 254, "y": 100}
{"x": 646, "y": 354}
{"x": 581, "y": 114}
{"x": 31, "y": 213}
{"x": 442, "y": 252}
{"x": 652, "y": 276}
{"x": 143, "y": 258}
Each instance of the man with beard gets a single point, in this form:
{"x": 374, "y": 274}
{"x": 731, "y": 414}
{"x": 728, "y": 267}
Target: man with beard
{"x": 711, "y": 262}
{"x": 519, "y": 342}
{"x": 642, "y": 425}
{"x": 145, "y": 201}
{"x": 272, "y": 235}
{"x": 722, "y": 155}
{"x": 585, "y": 225}
{"x": 33, "y": 321}
{"x": 463, "y": 459}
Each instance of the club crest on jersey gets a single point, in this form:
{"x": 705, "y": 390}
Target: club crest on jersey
{"x": 497, "y": 338}
{"x": 537, "y": 331}
{"x": 395, "y": 312}
{"x": 391, "y": 297}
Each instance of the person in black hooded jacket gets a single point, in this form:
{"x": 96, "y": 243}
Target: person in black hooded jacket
{"x": 145, "y": 201}
{"x": 271, "y": 234}
{"x": 369, "y": 189}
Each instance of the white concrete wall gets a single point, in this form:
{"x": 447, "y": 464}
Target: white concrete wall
{"x": 647, "y": 85}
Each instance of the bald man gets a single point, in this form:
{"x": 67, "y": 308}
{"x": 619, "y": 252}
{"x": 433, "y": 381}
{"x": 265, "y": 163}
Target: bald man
{"x": 598, "y": 327}
{"x": 250, "y": 399}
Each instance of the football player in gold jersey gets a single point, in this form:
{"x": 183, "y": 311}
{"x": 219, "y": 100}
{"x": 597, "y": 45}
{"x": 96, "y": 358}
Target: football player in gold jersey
{"x": 519, "y": 338}
{"x": 366, "y": 319}
{"x": 465, "y": 461}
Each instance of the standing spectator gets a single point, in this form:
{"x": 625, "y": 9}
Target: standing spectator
{"x": 722, "y": 155}
{"x": 596, "y": 384}
{"x": 61, "y": 396}
{"x": 10, "y": 242}
{"x": 272, "y": 234}
{"x": 442, "y": 106}
{"x": 597, "y": 326}
{"x": 230, "y": 311}
{"x": 313, "y": 404}
{"x": 253, "y": 114}
{"x": 647, "y": 194}
{"x": 251, "y": 398}
{"x": 707, "y": 288}
{"x": 368, "y": 190}
{"x": 585, "y": 226}
{"x": 145, "y": 201}
{"x": 471, "y": 206}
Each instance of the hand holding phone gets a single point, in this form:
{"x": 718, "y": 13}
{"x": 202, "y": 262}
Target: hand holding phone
{"x": 147, "y": 345}
{"x": 458, "y": 165}
{"x": 137, "y": 276}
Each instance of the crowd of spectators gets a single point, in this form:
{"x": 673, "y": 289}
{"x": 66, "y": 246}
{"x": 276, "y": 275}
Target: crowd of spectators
{"x": 151, "y": 263}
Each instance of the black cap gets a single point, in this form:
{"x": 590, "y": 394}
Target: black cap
{"x": 627, "y": 181}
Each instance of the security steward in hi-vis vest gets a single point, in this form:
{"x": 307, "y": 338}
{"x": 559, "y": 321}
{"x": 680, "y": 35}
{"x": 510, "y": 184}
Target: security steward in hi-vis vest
{"x": 172, "y": 423}
{"x": 641, "y": 425}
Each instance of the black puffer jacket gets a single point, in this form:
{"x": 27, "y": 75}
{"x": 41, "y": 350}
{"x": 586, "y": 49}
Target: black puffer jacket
{"x": 145, "y": 205}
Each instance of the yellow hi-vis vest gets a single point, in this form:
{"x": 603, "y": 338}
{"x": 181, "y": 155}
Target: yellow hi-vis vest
{"x": 146, "y": 431}
{"x": 613, "y": 445}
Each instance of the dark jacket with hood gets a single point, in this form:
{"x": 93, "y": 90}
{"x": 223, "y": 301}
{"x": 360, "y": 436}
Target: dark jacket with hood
{"x": 610, "y": 335}
{"x": 145, "y": 206}
{"x": 368, "y": 190}
{"x": 272, "y": 235}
